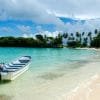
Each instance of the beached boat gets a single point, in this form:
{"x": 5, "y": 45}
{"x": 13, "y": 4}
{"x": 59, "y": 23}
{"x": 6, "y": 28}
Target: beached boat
{"x": 14, "y": 69}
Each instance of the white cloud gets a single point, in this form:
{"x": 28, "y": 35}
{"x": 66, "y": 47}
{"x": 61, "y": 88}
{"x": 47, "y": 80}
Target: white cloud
{"x": 6, "y": 30}
{"x": 87, "y": 26}
{"x": 24, "y": 29}
{"x": 46, "y": 12}
{"x": 49, "y": 34}
{"x": 39, "y": 28}
{"x": 25, "y": 35}
{"x": 73, "y": 8}
{"x": 27, "y": 10}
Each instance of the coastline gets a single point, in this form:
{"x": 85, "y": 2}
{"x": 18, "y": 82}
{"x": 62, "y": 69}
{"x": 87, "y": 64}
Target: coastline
{"x": 87, "y": 48}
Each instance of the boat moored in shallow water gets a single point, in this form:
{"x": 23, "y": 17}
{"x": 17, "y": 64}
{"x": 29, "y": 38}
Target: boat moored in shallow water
{"x": 14, "y": 69}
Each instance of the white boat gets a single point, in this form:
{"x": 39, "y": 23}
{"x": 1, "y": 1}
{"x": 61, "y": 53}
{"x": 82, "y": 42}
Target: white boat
{"x": 13, "y": 70}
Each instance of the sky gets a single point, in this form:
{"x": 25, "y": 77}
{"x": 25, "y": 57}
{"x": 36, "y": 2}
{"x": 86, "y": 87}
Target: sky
{"x": 29, "y": 17}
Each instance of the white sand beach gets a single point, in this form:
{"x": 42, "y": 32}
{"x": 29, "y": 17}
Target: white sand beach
{"x": 87, "y": 90}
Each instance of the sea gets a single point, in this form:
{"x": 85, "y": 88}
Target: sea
{"x": 52, "y": 75}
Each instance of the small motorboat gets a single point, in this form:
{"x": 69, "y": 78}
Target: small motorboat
{"x": 14, "y": 69}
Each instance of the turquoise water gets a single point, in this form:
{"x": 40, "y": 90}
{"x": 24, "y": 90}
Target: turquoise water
{"x": 46, "y": 72}
{"x": 45, "y": 58}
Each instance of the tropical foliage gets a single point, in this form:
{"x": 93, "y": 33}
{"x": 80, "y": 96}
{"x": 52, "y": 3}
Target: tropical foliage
{"x": 72, "y": 40}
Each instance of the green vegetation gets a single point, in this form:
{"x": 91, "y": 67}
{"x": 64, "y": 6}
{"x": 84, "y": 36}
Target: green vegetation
{"x": 72, "y": 40}
{"x": 40, "y": 42}
{"x": 96, "y": 42}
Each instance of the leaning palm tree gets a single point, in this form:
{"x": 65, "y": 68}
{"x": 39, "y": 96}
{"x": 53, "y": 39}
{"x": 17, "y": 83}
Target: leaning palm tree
{"x": 64, "y": 39}
{"x": 72, "y": 34}
{"x": 96, "y": 31}
{"x": 85, "y": 42}
{"x": 83, "y": 33}
{"x": 78, "y": 36}
{"x": 65, "y": 35}
{"x": 82, "y": 37}
{"x": 90, "y": 38}
{"x": 71, "y": 37}
{"x": 90, "y": 35}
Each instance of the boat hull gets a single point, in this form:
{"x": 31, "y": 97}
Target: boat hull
{"x": 9, "y": 76}
{"x": 13, "y": 75}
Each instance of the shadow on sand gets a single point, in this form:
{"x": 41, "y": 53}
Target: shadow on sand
{"x": 51, "y": 76}
{"x": 5, "y": 97}
{"x": 4, "y": 82}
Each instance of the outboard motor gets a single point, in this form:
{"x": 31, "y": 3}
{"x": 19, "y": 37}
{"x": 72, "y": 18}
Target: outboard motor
{"x": 1, "y": 69}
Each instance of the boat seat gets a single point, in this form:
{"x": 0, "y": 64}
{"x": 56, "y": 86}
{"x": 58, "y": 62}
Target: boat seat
{"x": 15, "y": 65}
{"x": 9, "y": 70}
{"x": 24, "y": 61}
{"x": 18, "y": 63}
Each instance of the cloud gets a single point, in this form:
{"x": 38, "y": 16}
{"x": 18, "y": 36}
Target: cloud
{"x": 48, "y": 11}
{"x": 44, "y": 11}
{"x": 83, "y": 9}
{"x": 39, "y": 28}
{"x": 6, "y": 30}
{"x": 27, "y": 10}
{"x": 33, "y": 10}
{"x": 87, "y": 26}
{"x": 24, "y": 29}
{"x": 49, "y": 34}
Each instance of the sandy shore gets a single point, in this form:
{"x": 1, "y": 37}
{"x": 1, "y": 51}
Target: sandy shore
{"x": 87, "y": 91}
{"x": 97, "y": 49}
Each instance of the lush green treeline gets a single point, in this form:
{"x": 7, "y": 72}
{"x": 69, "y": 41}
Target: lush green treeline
{"x": 40, "y": 41}
{"x": 73, "y": 40}
{"x": 96, "y": 41}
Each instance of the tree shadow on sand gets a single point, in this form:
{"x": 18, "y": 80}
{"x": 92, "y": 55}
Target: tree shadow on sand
{"x": 4, "y": 82}
{"x": 5, "y": 97}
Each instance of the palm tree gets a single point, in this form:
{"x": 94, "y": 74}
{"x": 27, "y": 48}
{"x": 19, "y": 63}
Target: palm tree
{"x": 39, "y": 37}
{"x": 83, "y": 33}
{"x": 72, "y": 37}
{"x": 82, "y": 37}
{"x": 78, "y": 36}
{"x": 90, "y": 35}
{"x": 72, "y": 34}
{"x": 96, "y": 31}
{"x": 65, "y": 39}
{"x": 84, "y": 44}
{"x": 90, "y": 38}
{"x": 65, "y": 35}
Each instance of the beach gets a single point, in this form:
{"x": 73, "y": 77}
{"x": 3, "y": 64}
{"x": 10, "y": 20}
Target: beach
{"x": 87, "y": 90}
{"x": 53, "y": 74}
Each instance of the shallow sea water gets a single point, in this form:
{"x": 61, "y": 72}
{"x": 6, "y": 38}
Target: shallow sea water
{"x": 52, "y": 73}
